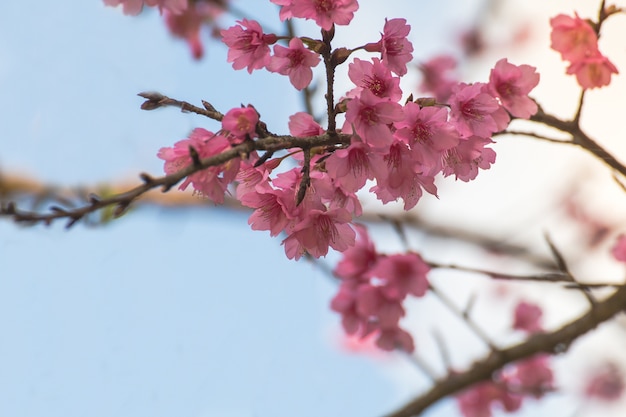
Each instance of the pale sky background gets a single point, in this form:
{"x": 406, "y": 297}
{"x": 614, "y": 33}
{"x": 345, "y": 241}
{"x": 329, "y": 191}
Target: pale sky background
{"x": 165, "y": 313}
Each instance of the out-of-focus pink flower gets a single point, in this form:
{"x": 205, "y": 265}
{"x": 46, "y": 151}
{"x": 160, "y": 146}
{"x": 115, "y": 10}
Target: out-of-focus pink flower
{"x": 247, "y": 45}
{"x": 241, "y": 122}
{"x": 324, "y": 12}
{"x": 358, "y": 259}
{"x": 375, "y": 77}
{"x": 606, "y": 384}
{"x": 532, "y": 376}
{"x": 370, "y": 116}
{"x": 511, "y": 84}
{"x": 478, "y": 400}
{"x": 188, "y": 24}
{"x": 402, "y": 275}
{"x": 395, "y": 338}
{"x": 436, "y": 77}
{"x": 302, "y": 124}
{"x": 619, "y": 250}
{"x": 295, "y": 61}
{"x": 528, "y": 317}
{"x": 134, "y": 7}
{"x": 394, "y": 46}
{"x": 593, "y": 72}
{"x": 573, "y": 37}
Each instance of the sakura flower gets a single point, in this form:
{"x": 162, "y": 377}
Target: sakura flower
{"x": 436, "y": 78}
{"x": 606, "y": 383}
{"x": 402, "y": 275}
{"x": 350, "y": 167}
{"x": 511, "y": 84}
{"x": 619, "y": 249}
{"x": 371, "y": 301}
{"x": 210, "y": 182}
{"x": 428, "y": 133}
{"x": 532, "y": 376}
{"x": 247, "y": 45}
{"x": 344, "y": 303}
{"x": 371, "y": 116}
{"x": 241, "y": 122}
{"x": 358, "y": 259}
{"x": 187, "y": 25}
{"x": 285, "y": 10}
{"x": 303, "y": 125}
{"x": 394, "y": 46}
{"x": 472, "y": 110}
{"x": 375, "y": 77}
{"x": 318, "y": 231}
{"x": 467, "y": 157}
{"x": 528, "y": 317}
{"x": 593, "y": 72}
{"x": 274, "y": 209}
{"x": 478, "y": 400}
{"x": 324, "y": 12}
{"x": 295, "y": 61}
{"x": 399, "y": 175}
{"x": 134, "y": 7}
{"x": 573, "y": 37}
{"x": 395, "y": 338}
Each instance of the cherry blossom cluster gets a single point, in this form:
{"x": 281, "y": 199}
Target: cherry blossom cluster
{"x": 373, "y": 289}
{"x": 507, "y": 389}
{"x": 577, "y": 42}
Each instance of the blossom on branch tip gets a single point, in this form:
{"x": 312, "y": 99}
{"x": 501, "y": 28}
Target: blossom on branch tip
{"x": 302, "y": 124}
{"x": 573, "y": 37}
{"x": 375, "y": 77}
{"x": 394, "y": 46}
{"x": 371, "y": 116}
{"x": 325, "y": 13}
{"x": 473, "y": 110}
{"x": 295, "y": 61}
{"x": 247, "y": 45}
{"x": 241, "y": 122}
{"x": 511, "y": 84}
{"x": 593, "y": 72}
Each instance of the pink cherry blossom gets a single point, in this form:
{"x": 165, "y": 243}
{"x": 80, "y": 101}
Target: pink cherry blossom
{"x": 371, "y": 117}
{"x": 478, "y": 400}
{"x": 358, "y": 259}
{"x": 318, "y": 231}
{"x": 325, "y": 13}
{"x": 402, "y": 275}
{"x": 399, "y": 175}
{"x": 436, "y": 77}
{"x": 511, "y": 84}
{"x": 372, "y": 302}
{"x": 593, "y": 72}
{"x": 394, "y": 46}
{"x": 295, "y": 61}
{"x": 375, "y": 77}
{"x": 428, "y": 133}
{"x": 527, "y": 317}
{"x": 532, "y": 376}
{"x": 467, "y": 157}
{"x": 395, "y": 338}
{"x": 472, "y": 110}
{"x": 188, "y": 24}
{"x": 303, "y": 125}
{"x": 619, "y": 249}
{"x": 134, "y": 7}
{"x": 210, "y": 182}
{"x": 247, "y": 45}
{"x": 344, "y": 303}
{"x": 606, "y": 383}
{"x": 351, "y": 167}
{"x": 241, "y": 122}
{"x": 573, "y": 37}
{"x": 274, "y": 209}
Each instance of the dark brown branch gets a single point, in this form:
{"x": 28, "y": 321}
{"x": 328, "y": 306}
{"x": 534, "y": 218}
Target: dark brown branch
{"x": 123, "y": 200}
{"x": 156, "y": 100}
{"x": 553, "y": 343}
